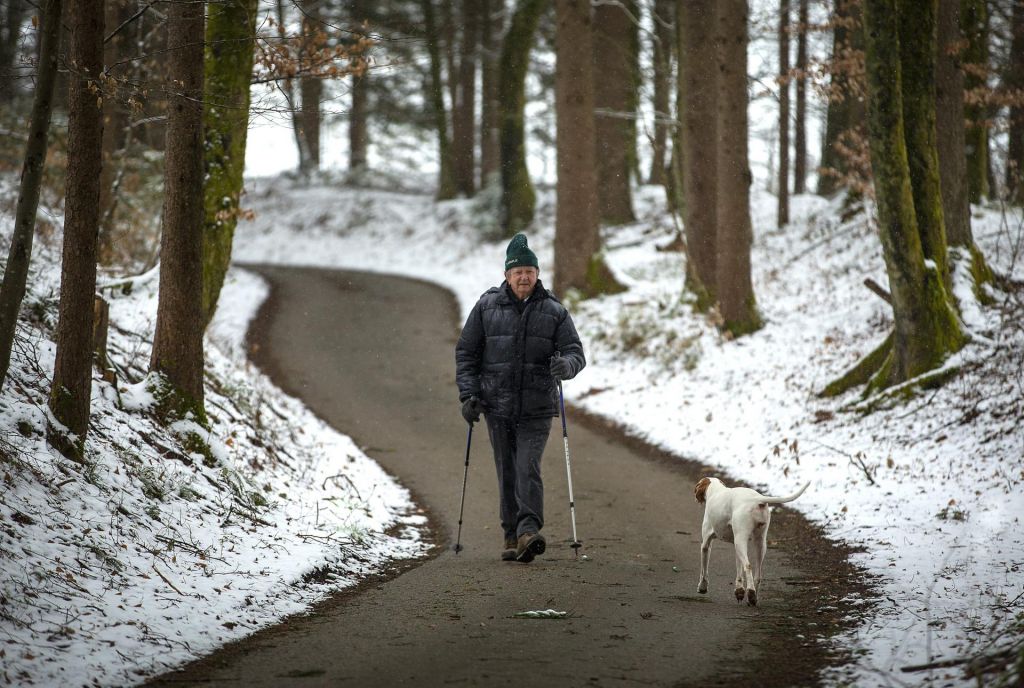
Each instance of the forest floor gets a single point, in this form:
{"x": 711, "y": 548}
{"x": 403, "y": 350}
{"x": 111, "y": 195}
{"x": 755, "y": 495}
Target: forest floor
{"x": 373, "y": 354}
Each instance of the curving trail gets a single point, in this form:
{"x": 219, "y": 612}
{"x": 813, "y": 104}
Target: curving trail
{"x": 374, "y": 356}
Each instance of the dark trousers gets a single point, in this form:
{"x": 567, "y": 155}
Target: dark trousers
{"x": 518, "y": 446}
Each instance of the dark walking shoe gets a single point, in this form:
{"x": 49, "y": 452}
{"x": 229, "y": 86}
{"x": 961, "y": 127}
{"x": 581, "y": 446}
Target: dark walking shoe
{"x": 529, "y": 546}
{"x": 509, "y": 553}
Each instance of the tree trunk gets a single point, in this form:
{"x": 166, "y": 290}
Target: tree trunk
{"x": 518, "y": 198}
{"x": 926, "y": 328}
{"x": 663, "y": 39}
{"x": 116, "y": 119}
{"x": 492, "y": 24}
{"x": 698, "y": 114}
{"x": 578, "y": 261}
{"x": 800, "y": 125}
{"x": 735, "y": 235}
{"x": 975, "y": 25}
{"x": 782, "y": 212}
{"x": 464, "y": 105}
{"x": 616, "y": 42}
{"x": 446, "y": 174}
{"x": 287, "y": 87}
{"x": 72, "y": 372}
{"x": 230, "y": 36}
{"x": 178, "y": 342}
{"x": 20, "y": 254}
{"x": 1015, "y": 82}
{"x": 310, "y": 90}
{"x": 917, "y": 19}
{"x": 845, "y": 104}
{"x": 358, "y": 116}
{"x": 949, "y": 113}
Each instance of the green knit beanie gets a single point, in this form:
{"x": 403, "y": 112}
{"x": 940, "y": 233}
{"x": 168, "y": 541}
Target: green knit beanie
{"x": 518, "y": 254}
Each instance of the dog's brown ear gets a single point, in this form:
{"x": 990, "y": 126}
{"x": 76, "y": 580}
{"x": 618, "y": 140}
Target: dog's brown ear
{"x": 700, "y": 489}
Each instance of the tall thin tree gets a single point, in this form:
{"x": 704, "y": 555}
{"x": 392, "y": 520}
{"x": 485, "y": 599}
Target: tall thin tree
{"x": 230, "y": 41}
{"x": 974, "y": 20}
{"x": 311, "y": 87}
{"x": 698, "y": 115}
{"x": 1015, "y": 83}
{"x": 491, "y": 29}
{"x": 72, "y": 372}
{"x": 518, "y": 198}
{"x": 800, "y": 120}
{"x": 178, "y": 341}
{"x": 735, "y": 234}
{"x": 782, "y": 210}
{"x": 663, "y": 41}
{"x": 446, "y": 173}
{"x": 464, "y": 106}
{"x": 846, "y": 110}
{"x": 359, "y": 112}
{"x": 12, "y": 292}
{"x": 616, "y": 50}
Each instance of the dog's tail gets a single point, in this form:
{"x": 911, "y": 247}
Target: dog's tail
{"x": 783, "y": 500}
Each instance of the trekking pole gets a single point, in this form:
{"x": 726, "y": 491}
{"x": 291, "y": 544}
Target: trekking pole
{"x": 465, "y": 477}
{"x": 576, "y": 544}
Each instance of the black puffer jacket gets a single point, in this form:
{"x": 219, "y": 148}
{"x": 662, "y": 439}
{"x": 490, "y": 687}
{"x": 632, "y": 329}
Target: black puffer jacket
{"x": 506, "y": 347}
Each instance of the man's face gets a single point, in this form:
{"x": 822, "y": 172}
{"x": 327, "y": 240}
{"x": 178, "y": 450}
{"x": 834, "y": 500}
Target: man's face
{"x": 522, "y": 280}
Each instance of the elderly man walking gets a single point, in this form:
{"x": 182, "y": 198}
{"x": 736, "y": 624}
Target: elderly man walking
{"x": 517, "y": 341}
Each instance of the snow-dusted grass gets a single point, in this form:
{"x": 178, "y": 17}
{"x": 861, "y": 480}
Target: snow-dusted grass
{"x": 930, "y": 489}
{"x": 159, "y": 548}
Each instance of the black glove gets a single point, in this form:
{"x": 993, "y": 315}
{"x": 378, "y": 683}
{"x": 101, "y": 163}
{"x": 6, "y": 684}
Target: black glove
{"x": 560, "y": 368}
{"x": 471, "y": 409}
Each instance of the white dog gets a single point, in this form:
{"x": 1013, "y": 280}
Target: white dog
{"x": 741, "y": 516}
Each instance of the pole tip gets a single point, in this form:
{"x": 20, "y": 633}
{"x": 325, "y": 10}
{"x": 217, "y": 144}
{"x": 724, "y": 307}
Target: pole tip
{"x": 458, "y": 548}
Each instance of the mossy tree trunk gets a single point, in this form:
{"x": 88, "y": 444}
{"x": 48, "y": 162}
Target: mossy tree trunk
{"x": 698, "y": 89}
{"x": 178, "y": 341}
{"x": 663, "y": 40}
{"x": 446, "y": 173}
{"x": 1015, "y": 82}
{"x": 230, "y": 36}
{"x": 949, "y": 106}
{"x": 782, "y": 208}
{"x": 72, "y": 371}
{"x": 974, "y": 18}
{"x": 518, "y": 199}
{"x": 735, "y": 234}
{"x": 926, "y": 326}
{"x": 12, "y": 292}
{"x": 800, "y": 121}
{"x": 578, "y": 261}
{"x": 616, "y": 69}
{"x": 845, "y": 111}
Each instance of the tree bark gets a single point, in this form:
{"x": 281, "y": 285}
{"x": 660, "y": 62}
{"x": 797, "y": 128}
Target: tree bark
{"x": 846, "y": 112}
{"x": 464, "y": 105}
{"x": 578, "y": 261}
{"x": 446, "y": 173}
{"x": 698, "y": 114}
{"x": 949, "y": 122}
{"x": 616, "y": 44}
{"x": 735, "y": 235}
{"x": 358, "y": 133}
{"x": 12, "y": 292}
{"x": 310, "y": 91}
{"x": 974, "y": 16}
{"x": 782, "y": 210}
{"x": 178, "y": 341}
{"x": 230, "y": 40}
{"x": 663, "y": 39}
{"x": 72, "y": 372}
{"x": 518, "y": 199}
{"x": 926, "y": 328}
{"x": 492, "y": 25}
{"x": 917, "y": 27}
{"x": 1015, "y": 82}
{"x": 10, "y": 26}
{"x": 800, "y": 125}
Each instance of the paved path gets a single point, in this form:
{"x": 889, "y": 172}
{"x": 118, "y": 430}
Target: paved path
{"x": 374, "y": 356}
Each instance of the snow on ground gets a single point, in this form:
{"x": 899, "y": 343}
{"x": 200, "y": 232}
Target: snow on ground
{"x": 154, "y": 550}
{"x": 929, "y": 489}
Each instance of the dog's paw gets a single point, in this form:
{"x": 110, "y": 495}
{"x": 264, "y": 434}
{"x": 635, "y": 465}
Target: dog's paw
{"x": 752, "y": 597}
{"x": 740, "y": 594}
{"x": 702, "y": 587}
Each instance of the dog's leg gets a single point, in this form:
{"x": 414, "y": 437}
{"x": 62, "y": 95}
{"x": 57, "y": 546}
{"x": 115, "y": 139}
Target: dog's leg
{"x": 705, "y": 556}
{"x": 745, "y": 572}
